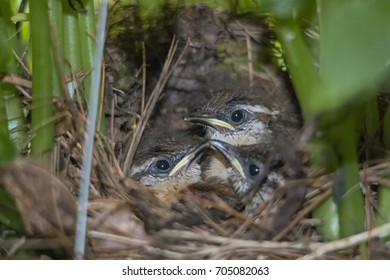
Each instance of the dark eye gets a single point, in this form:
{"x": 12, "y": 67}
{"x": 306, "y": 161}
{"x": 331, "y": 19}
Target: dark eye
{"x": 253, "y": 170}
{"x": 237, "y": 116}
{"x": 162, "y": 165}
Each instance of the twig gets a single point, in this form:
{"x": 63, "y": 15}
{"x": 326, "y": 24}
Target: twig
{"x": 143, "y": 78}
{"x": 145, "y": 115}
{"x": 323, "y": 249}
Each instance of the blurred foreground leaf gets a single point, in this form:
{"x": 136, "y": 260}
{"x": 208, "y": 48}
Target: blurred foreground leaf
{"x": 354, "y": 49}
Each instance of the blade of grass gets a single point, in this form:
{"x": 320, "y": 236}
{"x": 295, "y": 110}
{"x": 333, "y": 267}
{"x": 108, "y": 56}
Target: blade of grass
{"x": 71, "y": 41}
{"x": 10, "y": 101}
{"x": 93, "y": 104}
{"x": 55, "y": 14}
{"x": 87, "y": 33}
{"x": 347, "y": 194}
{"x": 42, "y": 78}
{"x": 300, "y": 64}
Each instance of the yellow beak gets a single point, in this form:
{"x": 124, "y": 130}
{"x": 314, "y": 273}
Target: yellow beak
{"x": 213, "y": 122}
{"x": 227, "y": 151}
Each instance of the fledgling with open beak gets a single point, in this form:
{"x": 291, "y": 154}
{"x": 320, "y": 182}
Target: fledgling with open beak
{"x": 257, "y": 174}
{"x": 169, "y": 165}
{"x": 244, "y": 117}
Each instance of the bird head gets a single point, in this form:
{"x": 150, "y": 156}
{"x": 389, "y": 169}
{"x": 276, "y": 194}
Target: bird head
{"x": 156, "y": 164}
{"x": 236, "y": 117}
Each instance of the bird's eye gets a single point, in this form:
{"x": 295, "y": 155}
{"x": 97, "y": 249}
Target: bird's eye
{"x": 163, "y": 165}
{"x": 254, "y": 170}
{"x": 237, "y": 116}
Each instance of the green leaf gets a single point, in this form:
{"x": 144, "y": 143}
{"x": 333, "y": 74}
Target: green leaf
{"x": 8, "y": 149}
{"x": 354, "y": 49}
{"x": 383, "y": 216}
{"x": 286, "y": 9}
{"x": 327, "y": 213}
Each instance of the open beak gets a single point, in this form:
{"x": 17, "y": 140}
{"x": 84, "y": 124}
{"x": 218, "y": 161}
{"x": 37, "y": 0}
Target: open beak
{"x": 189, "y": 158}
{"x": 209, "y": 121}
{"x": 228, "y": 151}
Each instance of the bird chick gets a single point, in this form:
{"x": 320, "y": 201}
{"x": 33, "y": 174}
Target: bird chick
{"x": 254, "y": 172}
{"x": 257, "y": 173}
{"x": 245, "y": 117}
{"x": 159, "y": 155}
{"x": 168, "y": 165}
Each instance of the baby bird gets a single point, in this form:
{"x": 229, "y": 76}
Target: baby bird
{"x": 169, "y": 165}
{"x": 157, "y": 157}
{"x": 246, "y": 117}
{"x": 257, "y": 173}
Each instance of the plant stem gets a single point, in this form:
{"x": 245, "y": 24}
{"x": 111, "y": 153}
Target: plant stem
{"x": 347, "y": 194}
{"x": 10, "y": 102}
{"x": 87, "y": 33}
{"x": 42, "y": 78}
{"x": 299, "y": 61}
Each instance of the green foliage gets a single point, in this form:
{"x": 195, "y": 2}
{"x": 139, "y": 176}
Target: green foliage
{"x": 42, "y": 79}
{"x": 354, "y": 39}
{"x": 9, "y": 214}
{"x": 11, "y": 112}
{"x": 354, "y": 50}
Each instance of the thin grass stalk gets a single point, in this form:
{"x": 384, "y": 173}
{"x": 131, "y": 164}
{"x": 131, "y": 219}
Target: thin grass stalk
{"x": 88, "y": 48}
{"x": 10, "y": 100}
{"x": 42, "y": 78}
{"x": 79, "y": 247}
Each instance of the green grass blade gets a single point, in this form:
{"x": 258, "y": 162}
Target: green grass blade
{"x": 42, "y": 78}
{"x": 71, "y": 40}
{"x": 87, "y": 33}
{"x": 347, "y": 192}
{"x": 300, "y": 65}
{"x": 354, "y": 49}
{"x": 10, "y": 101}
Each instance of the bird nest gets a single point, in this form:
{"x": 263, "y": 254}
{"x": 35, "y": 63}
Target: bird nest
{"x": 127, "y": 221}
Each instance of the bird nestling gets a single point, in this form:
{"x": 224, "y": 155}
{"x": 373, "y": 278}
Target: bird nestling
{"x": 246, "y": 117}
{"x": 157, "y": 157}
{"x": 257, "y": 174}
{"x": 168, "y": 165}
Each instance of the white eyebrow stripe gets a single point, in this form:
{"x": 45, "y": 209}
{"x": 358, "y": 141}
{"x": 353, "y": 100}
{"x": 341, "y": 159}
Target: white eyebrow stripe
{"x": 140, "y": 168}
{"x": 261, "y": 109}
